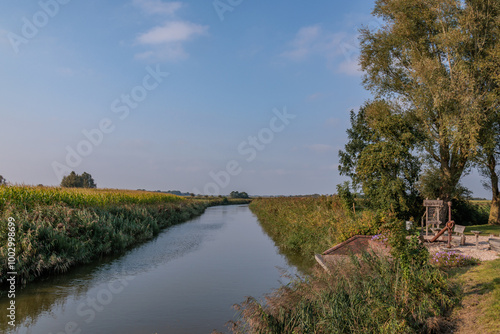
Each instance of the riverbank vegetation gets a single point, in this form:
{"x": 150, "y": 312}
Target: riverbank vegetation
{"x": 371, "y": 294}
{"x": 58, "y": 228}
{"x": 309, "y": 225}
{"x": 410, "y": 292}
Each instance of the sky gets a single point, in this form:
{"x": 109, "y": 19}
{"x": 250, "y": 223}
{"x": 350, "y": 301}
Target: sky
{"x": 198, "y": 96}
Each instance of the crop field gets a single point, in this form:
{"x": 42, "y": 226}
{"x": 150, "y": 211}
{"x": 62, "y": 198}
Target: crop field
{"x": 28, "y": 197}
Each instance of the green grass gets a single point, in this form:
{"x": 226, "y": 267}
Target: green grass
{"x": 486, "y": 281}
{"x": 481, "y": 286}
{"x": 486, "y": 229}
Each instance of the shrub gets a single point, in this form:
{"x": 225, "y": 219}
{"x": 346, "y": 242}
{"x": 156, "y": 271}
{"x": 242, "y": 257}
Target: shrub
{"x": 370, "y": 294}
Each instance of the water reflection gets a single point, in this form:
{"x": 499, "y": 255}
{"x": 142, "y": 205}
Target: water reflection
{"x": 183, "y": 281}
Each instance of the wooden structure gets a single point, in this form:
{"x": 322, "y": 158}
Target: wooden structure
{"x": 434, "y": 210}
{"x": 448, "y": 228}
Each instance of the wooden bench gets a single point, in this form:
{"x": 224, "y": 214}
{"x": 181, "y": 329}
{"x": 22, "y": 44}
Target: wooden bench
{"x": 459, "y": 231}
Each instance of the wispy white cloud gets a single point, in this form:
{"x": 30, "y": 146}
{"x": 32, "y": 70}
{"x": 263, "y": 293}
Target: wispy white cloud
{"x": 314, "y": 96}
{"x": 171, "y": 32}
{"x": 350, "y": 67}
{"x": 304, "y": 43}
{"x": 158, "y": 7}
{"x": 340, "y": 49}
{"x": 333, "y": 122}
{"x": 166, "y": 41}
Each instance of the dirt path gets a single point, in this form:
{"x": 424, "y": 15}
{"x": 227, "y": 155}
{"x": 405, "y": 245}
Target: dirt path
{"x": 478, "y": 312}
{"x": 477, "y": 287}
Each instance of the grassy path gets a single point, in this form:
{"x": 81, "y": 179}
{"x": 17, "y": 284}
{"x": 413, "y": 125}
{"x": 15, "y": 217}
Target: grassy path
{"x": 480, "y": 309}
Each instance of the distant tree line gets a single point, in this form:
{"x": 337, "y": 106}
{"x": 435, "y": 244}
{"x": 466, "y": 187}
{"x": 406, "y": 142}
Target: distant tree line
{"x": 237, "y": 194}
{"x": 74, "y": 180}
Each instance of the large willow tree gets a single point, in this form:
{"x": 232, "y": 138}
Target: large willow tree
{"x": 437, "y": 60}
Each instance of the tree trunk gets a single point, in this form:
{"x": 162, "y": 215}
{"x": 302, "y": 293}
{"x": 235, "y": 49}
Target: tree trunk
{"x": 494, "y": 218}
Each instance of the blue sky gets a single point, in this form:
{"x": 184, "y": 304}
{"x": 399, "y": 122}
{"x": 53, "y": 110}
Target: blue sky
{"x": 256, "y": 99}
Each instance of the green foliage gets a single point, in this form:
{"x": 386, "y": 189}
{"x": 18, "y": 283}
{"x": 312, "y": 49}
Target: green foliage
{"x": 370, "y": 294}
{"x": 306, "y": 225}
{"x": 74, "y": 180}
{"x": 359, "y": 137}
{"x": 345, "y": 195}
{"x": 437, "y": 61}
{"x": 465, "y": 212}
{"x": 237, "y": 194}
{"x": 378, "y": 157}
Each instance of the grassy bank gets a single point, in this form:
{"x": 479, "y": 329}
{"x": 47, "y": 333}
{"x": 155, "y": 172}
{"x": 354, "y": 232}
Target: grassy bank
{"x": 309, "y": 225}
{"x": 60, "y": 228}
{"x": 407, "y": 294}
{"x": 481, "y": 303}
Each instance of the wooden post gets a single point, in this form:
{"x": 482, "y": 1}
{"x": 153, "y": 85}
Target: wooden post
{"x": 426, "y": 218}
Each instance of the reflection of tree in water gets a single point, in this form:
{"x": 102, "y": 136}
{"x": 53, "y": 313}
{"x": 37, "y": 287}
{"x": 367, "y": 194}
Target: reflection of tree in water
{"x": 42, "y": 298}
{"x": 303, "y": 263}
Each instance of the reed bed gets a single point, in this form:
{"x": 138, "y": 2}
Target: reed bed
{"x": 367, "y": 295}
{"x": 308, "y": 225}
{"x": 403, "y": 293}
{"x": 57, "y": 229}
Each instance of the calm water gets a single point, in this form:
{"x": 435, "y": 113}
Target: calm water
{"x": 184, "y": 281}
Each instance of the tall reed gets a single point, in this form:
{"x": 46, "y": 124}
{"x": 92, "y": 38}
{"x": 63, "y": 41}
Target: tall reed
{"x": 308, "y": 225}
{"x": 368, "y": 294}
{"x": 60, "y": 228}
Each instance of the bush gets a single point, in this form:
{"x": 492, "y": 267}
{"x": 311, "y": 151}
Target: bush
{"x": 465, "y": 212}
{"x": 403, "y": 293}
{"x": 345, "y": 195}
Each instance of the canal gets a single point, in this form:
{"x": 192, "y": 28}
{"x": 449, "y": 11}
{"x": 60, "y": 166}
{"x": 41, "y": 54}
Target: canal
{"x": 183, "y": 281}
